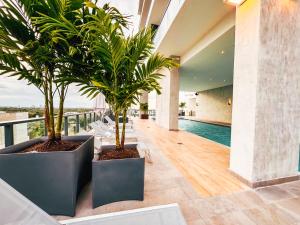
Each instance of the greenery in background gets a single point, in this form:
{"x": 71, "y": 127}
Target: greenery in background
{"x": 37, "y": 128}
{"x": 34, "y": 111}
{"x": 182, "y": 105}
{"x": 144, "y": 108}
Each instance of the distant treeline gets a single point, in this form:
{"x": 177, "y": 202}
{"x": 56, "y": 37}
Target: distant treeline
{"x": 35, "y": 111}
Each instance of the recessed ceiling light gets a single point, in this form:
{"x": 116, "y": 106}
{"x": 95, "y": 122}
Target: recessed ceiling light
{"x": 234, "y": 2}
{"x": 222, "y": 52}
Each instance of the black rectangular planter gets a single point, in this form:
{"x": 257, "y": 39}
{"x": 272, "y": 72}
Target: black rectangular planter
{"x": 118, "y": 179}
{"x": 51, "y": 180}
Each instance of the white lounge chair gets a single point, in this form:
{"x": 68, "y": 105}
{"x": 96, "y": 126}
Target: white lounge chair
{"x": 112, "y": 123}
{"x": 15, "y": 209}
{"x": 105, "y": 134}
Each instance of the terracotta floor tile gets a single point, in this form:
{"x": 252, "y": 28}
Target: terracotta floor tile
{"x": 273, "y": 193}
{"x": 199, "y": 222}
{"x": 292, "y": 187}
{"x": 291, "y": 205}
{"x": 232, "y": 218}
{"x": 214, "y": 206}
{"x": 270, "y": 215}
{"x": 245, "y": 199}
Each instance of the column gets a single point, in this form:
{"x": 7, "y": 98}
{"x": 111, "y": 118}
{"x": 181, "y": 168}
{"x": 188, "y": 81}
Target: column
{"x": 167, "y": 103}
{"x": 266, "y": 92}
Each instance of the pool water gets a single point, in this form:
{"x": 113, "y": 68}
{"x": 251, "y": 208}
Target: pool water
{"x": 217, "y": 133}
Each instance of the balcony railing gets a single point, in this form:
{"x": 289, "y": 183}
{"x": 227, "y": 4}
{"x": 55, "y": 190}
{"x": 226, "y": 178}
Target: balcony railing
{"x": 72, "y": 124}
{"x": 169, "y": 16}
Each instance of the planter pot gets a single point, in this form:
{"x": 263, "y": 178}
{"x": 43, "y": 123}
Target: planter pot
{"x": 144, "y": 116}
{"x": 51, "y": 180}
{"x": 118, "y": 179}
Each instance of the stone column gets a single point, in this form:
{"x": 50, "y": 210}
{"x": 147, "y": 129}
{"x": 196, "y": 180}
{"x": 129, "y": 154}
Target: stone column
{"x": 266, "y": 92}
{"x": 167, "y": 103}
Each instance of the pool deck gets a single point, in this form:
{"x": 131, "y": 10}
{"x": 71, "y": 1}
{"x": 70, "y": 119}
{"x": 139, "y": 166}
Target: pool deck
{"x": 194, "y": 174}
{"x": 202, "y": 162}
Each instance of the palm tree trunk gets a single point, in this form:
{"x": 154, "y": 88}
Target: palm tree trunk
{"x": 118, "y": 145}
{"x": 123, "y": 129}
{"x": 46, "y": 111}
{"x": 60, "y": 113}
{"x": 51, "y": 111}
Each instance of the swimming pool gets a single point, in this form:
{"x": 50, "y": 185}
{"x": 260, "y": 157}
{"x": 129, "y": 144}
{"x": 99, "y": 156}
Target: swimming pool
{"x": 217, "y": 133}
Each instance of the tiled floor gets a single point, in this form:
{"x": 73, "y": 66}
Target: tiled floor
{"x": 275, "y": 205}
{"x": 204, "y": 163}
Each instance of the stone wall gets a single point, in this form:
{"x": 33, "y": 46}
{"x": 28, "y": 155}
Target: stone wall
{"x": 215, "y": 105}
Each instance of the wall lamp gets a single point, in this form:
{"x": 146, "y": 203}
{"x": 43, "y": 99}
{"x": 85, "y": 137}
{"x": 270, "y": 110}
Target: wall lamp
{"x": 234, "y": 2}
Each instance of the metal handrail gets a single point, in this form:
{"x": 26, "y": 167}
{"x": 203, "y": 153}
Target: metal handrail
{"x": 9, "y": 128}
{"x": 5, "y": 123}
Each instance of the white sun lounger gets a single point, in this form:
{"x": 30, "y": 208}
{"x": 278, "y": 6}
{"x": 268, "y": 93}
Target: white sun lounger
{"x": 157, "y": 215}
{"x": 18, "y": 210}
{"x": 112, "y": 123}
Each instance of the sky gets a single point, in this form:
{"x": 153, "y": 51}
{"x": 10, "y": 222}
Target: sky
{"x": 17, "y": 93}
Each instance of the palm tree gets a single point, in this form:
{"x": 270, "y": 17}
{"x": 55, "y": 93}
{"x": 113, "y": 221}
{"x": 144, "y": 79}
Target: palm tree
{"x": 125, "y": 68}
{"x": 41, "y": 42}
{"x": 25, "y": 53}
{"x": 182, "y": 106}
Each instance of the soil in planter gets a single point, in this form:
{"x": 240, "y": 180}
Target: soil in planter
{"x": 53, "y": 146}
{"x": 125, "y": 154}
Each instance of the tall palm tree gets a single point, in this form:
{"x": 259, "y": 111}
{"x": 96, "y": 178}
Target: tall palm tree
{"x": 125, "y": 68}
{"x": 25, "y": 52}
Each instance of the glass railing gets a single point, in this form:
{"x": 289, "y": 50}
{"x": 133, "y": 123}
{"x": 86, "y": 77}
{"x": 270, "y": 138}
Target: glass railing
{"x": 170, "y": 15}
{"x": 17, "y": 131}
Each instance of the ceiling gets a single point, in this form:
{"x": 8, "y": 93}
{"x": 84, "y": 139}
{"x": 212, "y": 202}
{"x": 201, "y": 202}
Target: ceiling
{"x": 158, "y": 10}
{"x": 144, "y": 7}
{"x": 194, "y": 20}
{"x": 210, "y": 68}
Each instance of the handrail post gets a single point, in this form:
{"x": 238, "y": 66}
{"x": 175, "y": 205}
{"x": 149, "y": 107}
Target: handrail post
{"x": 9, "y": 134}
{"x": 90, "y": 117}
{"x": 77, "y": 124}
{"x": 94, "y": 116}
{"x": 66, "y": 125}
{"x": 84, "y": 121}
